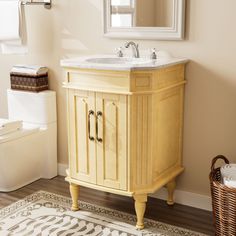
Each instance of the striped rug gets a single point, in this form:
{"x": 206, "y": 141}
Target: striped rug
{"x": 44, "y": 213}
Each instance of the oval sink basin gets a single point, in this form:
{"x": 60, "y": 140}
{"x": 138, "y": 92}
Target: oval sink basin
{"x": 118, "y": 60}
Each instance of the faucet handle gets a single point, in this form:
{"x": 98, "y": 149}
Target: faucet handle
{"x": 119, "y": 52}
{"x": 153, "y": 54}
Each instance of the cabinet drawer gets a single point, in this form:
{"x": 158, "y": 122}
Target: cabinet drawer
{"x": 141, "y": 81}
{"x": 156, "y": 80}
{"x": 99, "y": 80}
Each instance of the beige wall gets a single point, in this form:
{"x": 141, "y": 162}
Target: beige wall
{"x": 152, "y": 13}
{"x": 210, "y": 102}
{"x": 164, "y": 13}
{"x": 145, "y": 13}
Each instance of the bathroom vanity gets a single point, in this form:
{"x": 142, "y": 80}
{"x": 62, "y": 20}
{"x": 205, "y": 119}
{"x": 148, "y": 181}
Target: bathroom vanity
{"x": 125, "y": 120}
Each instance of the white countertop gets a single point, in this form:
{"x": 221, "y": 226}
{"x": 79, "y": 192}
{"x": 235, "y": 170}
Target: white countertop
{"x": 81, "y": 62}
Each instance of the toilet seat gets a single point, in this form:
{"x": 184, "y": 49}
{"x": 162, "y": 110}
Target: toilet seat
{"x": 8, "y": 126}
{"x": 19, "y": 133}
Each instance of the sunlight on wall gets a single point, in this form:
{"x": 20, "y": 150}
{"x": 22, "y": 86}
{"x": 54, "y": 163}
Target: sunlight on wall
{"x": 96, "y": 4}
{"x": 72, "y": 44}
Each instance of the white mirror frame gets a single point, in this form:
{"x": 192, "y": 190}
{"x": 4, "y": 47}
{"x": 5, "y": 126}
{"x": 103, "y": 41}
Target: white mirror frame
{"x": 176, "y": 32}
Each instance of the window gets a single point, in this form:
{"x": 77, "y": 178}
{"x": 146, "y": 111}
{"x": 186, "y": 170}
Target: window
{"x": 121, "y": 2}
{"x": 122, "y": 13}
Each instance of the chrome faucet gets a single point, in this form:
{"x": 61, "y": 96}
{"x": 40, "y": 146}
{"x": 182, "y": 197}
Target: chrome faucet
{"x": 134, "y": 48}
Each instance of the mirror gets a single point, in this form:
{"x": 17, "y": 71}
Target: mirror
{"x": 144, "y": 19}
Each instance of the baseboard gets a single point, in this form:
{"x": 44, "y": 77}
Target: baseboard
{"x": 181, "y": 197}
{"x": 61, "y": 169}
{"x": 186, "y": 198}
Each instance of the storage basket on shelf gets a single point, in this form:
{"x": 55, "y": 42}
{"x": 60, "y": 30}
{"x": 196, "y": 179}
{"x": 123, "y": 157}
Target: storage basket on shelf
{"x": 33, "y": 83}
{"x": 32, "y": 78}
{"x": 223, "y": 202}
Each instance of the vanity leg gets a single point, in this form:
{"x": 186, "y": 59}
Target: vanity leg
{"x": 171, "y": 188}
{"x": 140, "y": 207}
{"x": 74, "y": 191}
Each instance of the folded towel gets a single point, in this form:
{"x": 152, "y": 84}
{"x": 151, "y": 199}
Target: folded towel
{"x": 228, "y": 173}
{"x": 30, "y": 69}
{"x": 229, "y": 182}
{"x": 8, "y": 126}
{"x": 12, "y": 27}
{"x": 9, "y": 20}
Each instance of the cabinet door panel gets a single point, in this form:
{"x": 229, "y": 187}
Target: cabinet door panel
{"x": 112, "y": 151}
{"x": 82, "y": 149}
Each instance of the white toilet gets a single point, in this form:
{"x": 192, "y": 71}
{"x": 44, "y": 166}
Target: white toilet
{"x": 29, "y": 151}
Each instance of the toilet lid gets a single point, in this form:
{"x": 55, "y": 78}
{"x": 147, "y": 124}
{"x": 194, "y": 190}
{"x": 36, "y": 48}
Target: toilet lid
{"x": 9, "y": 126}
{"x": 18, "y": 134}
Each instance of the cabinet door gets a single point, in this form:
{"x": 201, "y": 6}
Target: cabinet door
{"x": 82, "y": 150}
{"x": 111, "y": 112}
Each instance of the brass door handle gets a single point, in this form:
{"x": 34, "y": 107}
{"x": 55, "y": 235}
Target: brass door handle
{"x": 99, "y": 113}
{"x": 89, "y": 116}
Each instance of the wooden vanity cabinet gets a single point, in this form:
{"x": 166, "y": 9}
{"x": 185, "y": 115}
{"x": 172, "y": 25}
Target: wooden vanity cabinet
{"x": 125, "y": 131}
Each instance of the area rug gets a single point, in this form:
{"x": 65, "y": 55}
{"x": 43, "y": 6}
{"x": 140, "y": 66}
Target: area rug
{"x": 44, "y": 213}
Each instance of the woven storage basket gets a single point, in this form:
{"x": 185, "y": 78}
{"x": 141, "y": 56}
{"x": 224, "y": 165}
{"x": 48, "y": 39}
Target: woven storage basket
{"x": 33, "y": 83}
{"x": 223, "y": 202}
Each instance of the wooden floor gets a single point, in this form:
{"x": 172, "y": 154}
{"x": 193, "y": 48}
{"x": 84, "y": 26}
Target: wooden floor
{"x": 179, "y": 215}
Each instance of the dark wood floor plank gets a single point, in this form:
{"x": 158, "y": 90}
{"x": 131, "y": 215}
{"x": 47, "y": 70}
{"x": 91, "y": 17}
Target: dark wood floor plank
{"x": 178, "y": 215}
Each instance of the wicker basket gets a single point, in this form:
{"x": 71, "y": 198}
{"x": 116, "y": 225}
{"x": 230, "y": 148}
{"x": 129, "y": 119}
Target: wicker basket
{"x": 33, "y": 83}
{"x": 223, "y": 202}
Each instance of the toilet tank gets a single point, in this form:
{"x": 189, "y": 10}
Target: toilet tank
{"x": 34, "y": 108}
